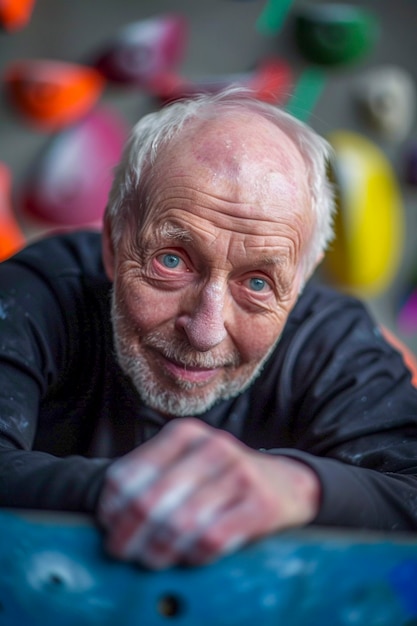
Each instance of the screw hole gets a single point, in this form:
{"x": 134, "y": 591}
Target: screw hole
{"x": 170, "y": 606}
{"x": 56, "y": 580}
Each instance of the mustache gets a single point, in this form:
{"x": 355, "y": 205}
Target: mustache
{"x": 180, "y": 351}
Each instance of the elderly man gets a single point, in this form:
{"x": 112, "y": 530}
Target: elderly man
{"x": 190, "y": 387}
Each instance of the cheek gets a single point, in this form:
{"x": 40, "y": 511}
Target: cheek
{"x": 257, "y": 334}
{"x": 146, "y": 308}
{"x": 255, "y": 343}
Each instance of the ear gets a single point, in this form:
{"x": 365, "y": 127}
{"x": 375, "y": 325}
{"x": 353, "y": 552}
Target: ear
{"x": 107, "y": 250}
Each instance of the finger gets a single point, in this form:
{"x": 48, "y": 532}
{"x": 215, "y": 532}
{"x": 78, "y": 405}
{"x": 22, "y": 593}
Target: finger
{"x": 136, "y": 471}
{"x": 208, "y": 458}
{"x": 131, "y": 531}
{"x": 279, "y": 493}
{"x": 167, "y": 541}
{"x": 232, "y": 529}
{"x": 115, "y": 493}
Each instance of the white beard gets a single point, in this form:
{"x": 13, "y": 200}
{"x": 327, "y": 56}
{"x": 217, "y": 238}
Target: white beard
{"x": 187, "y": 399}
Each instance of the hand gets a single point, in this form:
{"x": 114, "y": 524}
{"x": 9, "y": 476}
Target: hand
{"x": 193, "y": 493}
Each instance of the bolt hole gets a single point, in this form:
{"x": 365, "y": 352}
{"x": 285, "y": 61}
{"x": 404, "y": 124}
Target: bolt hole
{"x": 170, "y": 606}
{"x": 56, "y": 580}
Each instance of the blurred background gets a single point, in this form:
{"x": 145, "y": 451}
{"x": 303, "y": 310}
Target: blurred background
{"x": 76, "y": 74}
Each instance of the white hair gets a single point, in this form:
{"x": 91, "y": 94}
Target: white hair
{"x": 155, "y": 130}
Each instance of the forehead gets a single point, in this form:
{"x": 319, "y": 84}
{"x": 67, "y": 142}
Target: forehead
{"x": 238, "y": 187}
{"x": 232, "y": 140}
{"x": 240, "y": 157}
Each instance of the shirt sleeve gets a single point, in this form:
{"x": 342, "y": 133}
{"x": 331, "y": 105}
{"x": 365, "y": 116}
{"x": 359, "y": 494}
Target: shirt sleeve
{"x": 33, "y": 350}
{"x": 37, "y": 480}
{"x": 354, "y": 421}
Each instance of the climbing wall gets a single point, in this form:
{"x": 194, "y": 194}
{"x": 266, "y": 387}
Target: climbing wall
{"x": 54, "y": 571}
{"x": 75, "y": 76}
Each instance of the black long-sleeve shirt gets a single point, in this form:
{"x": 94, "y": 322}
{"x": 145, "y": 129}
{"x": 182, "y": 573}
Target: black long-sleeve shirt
{"x": 333, "y": 394}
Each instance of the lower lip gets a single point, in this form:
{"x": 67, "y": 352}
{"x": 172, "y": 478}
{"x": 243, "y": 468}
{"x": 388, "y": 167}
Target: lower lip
{"x": 189, "y": 374}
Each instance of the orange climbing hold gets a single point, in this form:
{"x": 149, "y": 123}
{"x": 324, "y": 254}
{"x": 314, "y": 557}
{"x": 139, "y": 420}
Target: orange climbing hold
{"x": 11, "y": 237}
{"x": 52, "y": 94}
{"x": 15, "y": 14}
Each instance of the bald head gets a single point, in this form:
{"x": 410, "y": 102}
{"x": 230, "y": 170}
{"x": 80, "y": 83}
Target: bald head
{"x": 242, "y": 151}
{"x": 229, "y": 136}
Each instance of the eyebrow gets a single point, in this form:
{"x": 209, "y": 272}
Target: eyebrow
{"x": 271, "y": 260}
{"x": 170, "y": 230}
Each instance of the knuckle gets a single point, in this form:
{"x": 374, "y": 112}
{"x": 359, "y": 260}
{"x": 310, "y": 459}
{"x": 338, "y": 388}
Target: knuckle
{"x": 219, "y": 447}
{"x": 267, "y": 505}
{"x": 112, "y": 476}
{"x": 225, "y": 441}
{"x": 185, "y": 427}
{"x": 243, "y": 473}
{"x": 211, "y": 542}
{"x": 138, "y": 509}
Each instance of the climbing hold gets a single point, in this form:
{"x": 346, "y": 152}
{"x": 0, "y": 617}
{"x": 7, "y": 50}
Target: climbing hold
{"x": 334, "y": 34}
{"x": 11, "y": 236}
{"x": 69, "y": 183}
{"x": 369, "y": 224}
{"x": 143, "y": 50}
{"x": 52, "y": 94}
{"x": 15, "y": 14}
{"x": 386, "y": 98}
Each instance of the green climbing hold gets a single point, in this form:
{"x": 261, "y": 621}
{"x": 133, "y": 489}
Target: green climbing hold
{"x": 335, "y": 34}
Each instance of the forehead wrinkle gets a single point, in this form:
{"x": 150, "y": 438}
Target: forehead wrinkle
{"x": 184, "y": 187}
{"x": 173, "y": 227}
{"x": 171, "y": 230}
{"x": 181, "y": 192}
{"x": 177, "y": 231}
{"x": 249, "y": 224}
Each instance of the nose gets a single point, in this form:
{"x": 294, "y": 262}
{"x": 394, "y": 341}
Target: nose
{"x": 203, "y": 323}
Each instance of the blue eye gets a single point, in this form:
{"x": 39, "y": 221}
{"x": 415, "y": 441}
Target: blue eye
{"x": 171, "y": 260}
{"x": 257, "y": 284}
